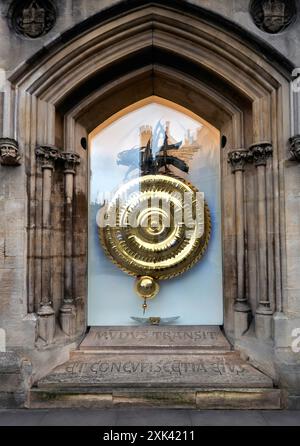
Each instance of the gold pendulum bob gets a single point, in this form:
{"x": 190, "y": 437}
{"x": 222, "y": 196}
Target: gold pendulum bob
{"x": 146, "y": 288}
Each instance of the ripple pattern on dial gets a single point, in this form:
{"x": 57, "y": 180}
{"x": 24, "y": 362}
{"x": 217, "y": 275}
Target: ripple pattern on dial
{"x": 149, "y": 236}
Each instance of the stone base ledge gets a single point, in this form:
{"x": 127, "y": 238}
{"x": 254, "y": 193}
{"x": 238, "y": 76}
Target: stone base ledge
{"x": 205, "y": 399}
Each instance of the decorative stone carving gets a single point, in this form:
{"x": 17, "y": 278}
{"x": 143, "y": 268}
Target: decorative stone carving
{"x": 238, "y": 159}
{"x": 295, "y": 147}
{"x": 47, "y": 155}
{"x": 32, "y": 18}
{"x": 273, "y": 16}
{"x": 260, "y": 152}
{"x": 71, "y": 160}
{"x": 9, "y": 152}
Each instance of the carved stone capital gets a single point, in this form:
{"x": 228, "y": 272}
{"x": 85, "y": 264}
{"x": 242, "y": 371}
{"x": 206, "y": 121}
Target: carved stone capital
{"x": 70, "y": 160}
{"x": 260, "y": 152}
{"x": 9, "y": 152}
{"x": 47, "y": 155}
{"x": 295, "y": 147}
{"x": 238, "y": 159}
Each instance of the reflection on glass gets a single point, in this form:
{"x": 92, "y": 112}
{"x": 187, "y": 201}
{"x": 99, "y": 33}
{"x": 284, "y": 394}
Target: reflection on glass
{"x": 181, "y": 145}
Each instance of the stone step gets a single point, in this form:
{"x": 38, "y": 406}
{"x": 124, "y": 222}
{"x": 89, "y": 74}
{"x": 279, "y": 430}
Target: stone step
{"x": 259, "y": 399}
{"x": 135, "y": 338}
{"x": 197, "y": 371}
{"x": 165, "y": 366}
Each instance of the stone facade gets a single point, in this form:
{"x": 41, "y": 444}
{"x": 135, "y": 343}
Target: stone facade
{"x": 94, "y": 60}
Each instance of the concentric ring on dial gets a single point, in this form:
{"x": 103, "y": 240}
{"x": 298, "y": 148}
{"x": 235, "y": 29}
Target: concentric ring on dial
{"x": 149, "y": 237}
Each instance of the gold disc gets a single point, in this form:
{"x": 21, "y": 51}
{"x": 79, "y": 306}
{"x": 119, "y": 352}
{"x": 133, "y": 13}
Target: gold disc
{"x": 156, "y": 226}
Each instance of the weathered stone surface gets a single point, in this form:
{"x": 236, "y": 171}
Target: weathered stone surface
{"x": 127, "y": 370}
{"x": 72, "y": 399}
{"x": 15, "y": 375}
{"x": 93, "y": 398}
{"x": 293, "y": 403}
{"x": 257, "y": 399}
{"x": 12, "y": 400}
{"x": 179, "y": 398}
{"x": 209, "y": 337}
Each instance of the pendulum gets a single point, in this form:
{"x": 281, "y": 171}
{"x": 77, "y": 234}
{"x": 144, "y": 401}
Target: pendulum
{"x": 147, "y": 288}
{"x": 145, "y": 306}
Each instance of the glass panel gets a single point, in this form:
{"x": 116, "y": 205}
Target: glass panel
{"x": 197, "y": 295}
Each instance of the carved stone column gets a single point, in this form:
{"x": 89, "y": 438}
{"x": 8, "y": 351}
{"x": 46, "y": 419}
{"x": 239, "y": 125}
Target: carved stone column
{"x": 46, "y": 156}
{"x": 68, "y": 309}
{"x": 260, "y": 153}
{"x": 9, "y": 152}
{"x": 237, "y": 159}
{"x": 295, "y": 147}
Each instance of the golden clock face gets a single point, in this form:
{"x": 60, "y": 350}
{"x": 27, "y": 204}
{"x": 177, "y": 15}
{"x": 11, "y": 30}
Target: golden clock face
{"x": 156, "y": 226}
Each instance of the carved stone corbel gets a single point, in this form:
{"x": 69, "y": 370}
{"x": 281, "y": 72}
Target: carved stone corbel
{"x": 46, "y": 156}
{"x": 238, "y": 159}
{"x": 260, "y": 153}
{"x": 71, "y": 161}
{"x": 294, "y": 148}
{"x": 9, "y": 152}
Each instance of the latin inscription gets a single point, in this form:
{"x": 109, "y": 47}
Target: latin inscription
{"x": 159, "y": 369}
{"x": 178, "y": 368}
{"x": 165, "y": 336}
{"x": 169, "y": 336}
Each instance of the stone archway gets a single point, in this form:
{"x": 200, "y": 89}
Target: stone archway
{"x": 58, "y": 97}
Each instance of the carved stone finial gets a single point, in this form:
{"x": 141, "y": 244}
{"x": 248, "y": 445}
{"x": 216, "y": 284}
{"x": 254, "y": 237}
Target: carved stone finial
{"x": 70, "y": 160}
{"x": 260, "y": 152}
{"x": 295, "y": 147}
{"x": 9, "y": 152}
{"x": 32, "y": 18}
{"x": 273, "y": 16}
{"x": 238, "y": 159}
{"x": 47, "y": 155}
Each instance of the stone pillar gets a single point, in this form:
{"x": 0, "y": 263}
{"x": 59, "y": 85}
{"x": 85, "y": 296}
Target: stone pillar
{"x": 47, "y": 156}
{"x": 260, "y": 152}
{"x": 68, "y": 309}
{"x": 237, "y": 159}
{"x": 9, "y": 152}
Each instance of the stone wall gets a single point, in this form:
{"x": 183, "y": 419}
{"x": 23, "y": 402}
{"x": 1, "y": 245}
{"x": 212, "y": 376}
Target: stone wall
{"x": 71, "y": 12}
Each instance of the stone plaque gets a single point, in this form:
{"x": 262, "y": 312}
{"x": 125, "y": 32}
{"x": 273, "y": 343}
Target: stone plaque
{"x": 209, "y": 337}
{"x": 32, "y": 18}
{"x": 273, "y": 16}
{"x": 157, "y": 370}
